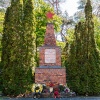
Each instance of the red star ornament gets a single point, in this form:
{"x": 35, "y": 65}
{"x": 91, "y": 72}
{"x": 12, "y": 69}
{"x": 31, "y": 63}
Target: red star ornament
{"x": 49, "y": 15}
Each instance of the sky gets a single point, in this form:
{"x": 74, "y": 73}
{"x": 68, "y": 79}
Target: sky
{"x": 70, "y": 6}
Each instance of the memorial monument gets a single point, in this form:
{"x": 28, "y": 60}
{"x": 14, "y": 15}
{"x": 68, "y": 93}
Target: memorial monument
{"x": 50, "y": 69}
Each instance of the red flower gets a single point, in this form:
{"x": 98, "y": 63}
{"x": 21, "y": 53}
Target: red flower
{"x": 51, "y": 84}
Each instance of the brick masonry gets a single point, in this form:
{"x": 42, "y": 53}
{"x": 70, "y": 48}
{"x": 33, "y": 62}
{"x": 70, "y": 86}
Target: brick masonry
{"x": 49, "y": 36}
{"x": 50, "y": 75}
{"x": 42, "y": 56}
{"x": 50, "y": 60}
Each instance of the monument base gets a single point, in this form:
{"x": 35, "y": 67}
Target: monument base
{"x": 54, "y": 75}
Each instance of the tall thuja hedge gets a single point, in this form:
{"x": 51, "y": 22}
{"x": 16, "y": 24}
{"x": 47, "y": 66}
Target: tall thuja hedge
{"x": 17, "y": 49}
{"x": 29, "y": 37}
{"x": 83, "y": 69}
{"x": 12, "y": 73}
{"x": 92, "y": 54}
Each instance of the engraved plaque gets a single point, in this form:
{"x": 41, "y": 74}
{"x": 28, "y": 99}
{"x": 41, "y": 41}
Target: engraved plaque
{"x": 50, "y": 56}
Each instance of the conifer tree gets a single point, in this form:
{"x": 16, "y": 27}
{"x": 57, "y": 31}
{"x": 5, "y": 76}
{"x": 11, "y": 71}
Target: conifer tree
{"x": 16, "y": 75}
{"x": 29, "y": 37}
{"x": 84, "y": 62}
{"x": 11, "y": 49}
{"x": 93, "y": 71}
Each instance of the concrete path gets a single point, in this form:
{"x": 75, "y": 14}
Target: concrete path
{"x": 70, "y": 98}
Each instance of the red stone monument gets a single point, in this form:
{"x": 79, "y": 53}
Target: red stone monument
{"x": 49, "y": 69}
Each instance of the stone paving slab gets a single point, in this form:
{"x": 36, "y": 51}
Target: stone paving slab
{"x": 70, "y": 98}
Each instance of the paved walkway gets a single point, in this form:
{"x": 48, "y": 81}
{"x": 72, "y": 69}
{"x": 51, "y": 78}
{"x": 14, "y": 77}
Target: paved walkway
{"x": 70, "y": 98}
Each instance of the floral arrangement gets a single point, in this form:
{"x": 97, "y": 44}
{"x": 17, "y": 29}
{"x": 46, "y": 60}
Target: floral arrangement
{"x": 51, "y": 84}
{"x": 37, "y": 87}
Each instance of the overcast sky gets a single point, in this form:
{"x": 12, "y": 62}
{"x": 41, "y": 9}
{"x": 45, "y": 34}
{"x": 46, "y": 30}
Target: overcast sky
{"x": 70, "y": 6}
